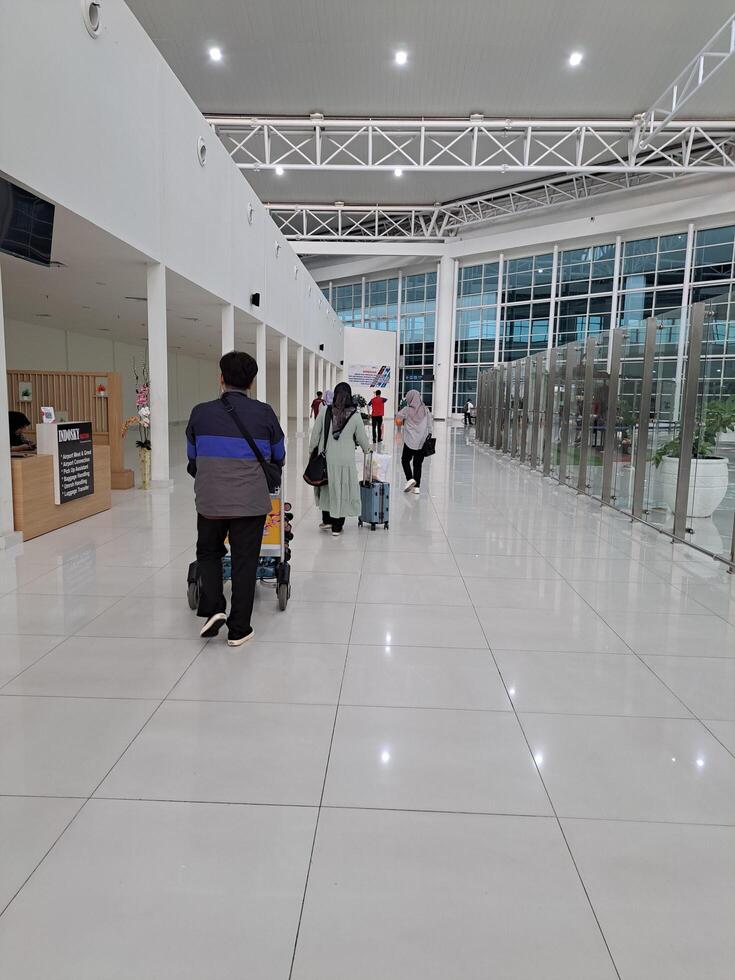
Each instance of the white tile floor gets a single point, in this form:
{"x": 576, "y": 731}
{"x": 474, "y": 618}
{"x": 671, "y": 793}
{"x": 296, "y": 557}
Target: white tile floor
{"x": 497, "y": 740}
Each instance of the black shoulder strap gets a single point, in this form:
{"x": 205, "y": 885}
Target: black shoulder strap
{"x": 245, "y": 434}
{"x": 327, "y": 423}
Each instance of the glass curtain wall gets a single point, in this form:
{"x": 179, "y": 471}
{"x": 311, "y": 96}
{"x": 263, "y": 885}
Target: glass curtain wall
{"x": 651, "y": 282}
{"x": 476, "y": 321}
{"x": 619, "y": 428}
{"x": 406, "y": 304}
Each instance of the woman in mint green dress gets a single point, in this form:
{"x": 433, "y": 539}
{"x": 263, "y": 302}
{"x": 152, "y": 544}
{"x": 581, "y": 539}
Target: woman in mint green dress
{"x": 340, "y": 497}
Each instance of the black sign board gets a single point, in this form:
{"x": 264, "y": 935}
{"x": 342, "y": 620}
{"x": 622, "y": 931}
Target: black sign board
{"x": 76, "y": 472}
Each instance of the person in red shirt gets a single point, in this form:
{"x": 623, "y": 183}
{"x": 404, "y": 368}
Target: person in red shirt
{"x": 317, "y": 404}
{"x": 377, "y": 413}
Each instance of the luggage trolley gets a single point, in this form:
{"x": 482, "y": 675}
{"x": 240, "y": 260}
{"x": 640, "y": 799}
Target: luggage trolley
{"x": 275, "y": 555}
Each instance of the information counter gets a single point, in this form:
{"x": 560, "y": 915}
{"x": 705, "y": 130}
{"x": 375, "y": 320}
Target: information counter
{"x": 66, "y": 481}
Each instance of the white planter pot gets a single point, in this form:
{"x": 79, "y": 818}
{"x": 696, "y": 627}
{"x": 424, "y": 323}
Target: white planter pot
{"x": 707, "y": 484}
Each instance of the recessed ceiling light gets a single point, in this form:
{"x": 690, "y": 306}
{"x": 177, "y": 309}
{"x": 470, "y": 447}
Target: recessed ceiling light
{"x": 279, "y": 171}
{"x": 215, "y": 54}
{"x": 401, "y": 57}
{"x": 398, "y": 172}
{"x": 575, "y": 58}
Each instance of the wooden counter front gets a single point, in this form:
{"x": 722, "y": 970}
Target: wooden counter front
{"x": 34, "y": 510}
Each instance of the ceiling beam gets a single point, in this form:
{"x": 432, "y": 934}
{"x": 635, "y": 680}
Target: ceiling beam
{"x": 718, "y": 50}
{"x": 440, "y": 222}
{"x": 476, "y": 144}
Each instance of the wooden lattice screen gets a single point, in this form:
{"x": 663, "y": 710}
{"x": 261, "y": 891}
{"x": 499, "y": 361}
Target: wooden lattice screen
{"x": 77, "y": 394}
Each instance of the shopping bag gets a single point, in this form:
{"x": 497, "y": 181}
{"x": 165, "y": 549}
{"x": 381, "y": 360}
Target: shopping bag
{"x": 381, "y": 467}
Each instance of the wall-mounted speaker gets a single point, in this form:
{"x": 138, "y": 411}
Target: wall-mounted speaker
{"x": 255, "y": 299}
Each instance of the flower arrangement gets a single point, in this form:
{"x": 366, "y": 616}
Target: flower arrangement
{"x": 142, "y": 418}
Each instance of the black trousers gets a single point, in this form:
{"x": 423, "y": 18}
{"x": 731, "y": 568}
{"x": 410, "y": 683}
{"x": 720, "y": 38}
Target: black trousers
{"x": 377, "y": 423}
{"x": 468, "y": 418}
{"x": 246, "y": 537}
{"x": 337, "y": 522}
{"x": 415, "y": 456}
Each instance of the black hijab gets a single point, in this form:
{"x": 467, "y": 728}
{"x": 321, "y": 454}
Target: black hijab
{"x": 17, "y": 421}
{"x": 342, "y": 408}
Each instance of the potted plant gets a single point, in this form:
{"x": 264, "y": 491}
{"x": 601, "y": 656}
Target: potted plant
{"x": 142, "y": 419}
{"x": 709, "y": 478}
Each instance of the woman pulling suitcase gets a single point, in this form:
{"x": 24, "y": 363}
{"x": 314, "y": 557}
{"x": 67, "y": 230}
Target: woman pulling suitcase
{"x": 340, "y": 496}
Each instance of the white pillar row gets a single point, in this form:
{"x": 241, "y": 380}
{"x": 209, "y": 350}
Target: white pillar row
{"x": 312, "y": 381}
{"x": 443, "y": 345}
{"x": 299, "y": 390}
{"x": 228, "y": 328}
{"x": 261, "y": 353}
{"x": 320, "y": 374}
{"x": 158, "y": 370}
{"x": 8, "y": 535}
{"x": 283, "y": 384}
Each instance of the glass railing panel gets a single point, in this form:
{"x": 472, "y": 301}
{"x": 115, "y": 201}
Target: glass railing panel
{"x": 598, "y": 424}
{"x": 557, "y": 406}
{"x": 625, "y": 428}
{"x": 710, "y": 511}
{"x": 573, "y": 429}
{"x": 663, "y": 422}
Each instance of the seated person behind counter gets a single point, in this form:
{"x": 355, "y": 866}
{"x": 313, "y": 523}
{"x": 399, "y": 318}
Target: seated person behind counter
{"x": 19, "y": 441}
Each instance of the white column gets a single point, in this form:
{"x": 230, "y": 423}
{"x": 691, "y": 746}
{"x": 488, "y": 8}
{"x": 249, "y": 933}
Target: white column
{"x": 443, "y": 343}
{"x": 228, "y": 328}
{"x": 552, "y": 339}
{"x": 312, "y": 380}
{"x": 683, "y": 323}
{"x": 499, "y": 297}
{"x": 320, "y": 374}
{"x": 261, "y": 392}
{"x": 283, "y": 384}
{"x": 615, "y": 299}
{"x": 299, "y": 390}
{"x": 158, "y": 369}
{"x": 8, "y": 535}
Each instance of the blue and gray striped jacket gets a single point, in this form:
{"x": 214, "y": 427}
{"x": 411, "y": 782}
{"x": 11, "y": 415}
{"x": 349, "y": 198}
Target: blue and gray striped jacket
{"x": 228, "y": 479}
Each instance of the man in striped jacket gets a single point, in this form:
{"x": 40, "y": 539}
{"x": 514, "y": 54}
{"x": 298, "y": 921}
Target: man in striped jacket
{"x": 231, "y": 492}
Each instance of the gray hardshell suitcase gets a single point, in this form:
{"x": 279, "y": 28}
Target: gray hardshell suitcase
{"x": 374, "y": 498}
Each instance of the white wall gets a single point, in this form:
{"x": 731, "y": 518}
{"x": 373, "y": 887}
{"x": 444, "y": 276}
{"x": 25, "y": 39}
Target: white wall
{"x": 104, "y": 128}
{"x": 35, "y": 347}
{"x": 372, "y": 347}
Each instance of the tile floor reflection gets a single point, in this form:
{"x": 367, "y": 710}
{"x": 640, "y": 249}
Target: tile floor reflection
{"x": 478, "y": 744}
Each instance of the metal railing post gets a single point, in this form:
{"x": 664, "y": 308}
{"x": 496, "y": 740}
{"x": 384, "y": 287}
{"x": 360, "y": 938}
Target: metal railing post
{"x": 688, "y": 418}
{"x": 549, "y": 414}
{"x": 644, "y": 421}
{"x": 611, "y": 421}
{"x": 538, "y": 361}
{"x": 508, "y": 378}
{"x": 523, "y": 405}
{"x": 572, "y": 352}
{"x": 515, "y": 449}
{"x": 589, "y": 380}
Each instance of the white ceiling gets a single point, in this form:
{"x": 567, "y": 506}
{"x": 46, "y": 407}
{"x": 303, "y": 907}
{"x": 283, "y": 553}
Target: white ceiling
{"x": 90, "y": 293}
{"x": 503, "y": 58}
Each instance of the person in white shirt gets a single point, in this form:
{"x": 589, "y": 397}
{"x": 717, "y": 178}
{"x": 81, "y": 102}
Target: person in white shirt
{"x": 468, "y": 406}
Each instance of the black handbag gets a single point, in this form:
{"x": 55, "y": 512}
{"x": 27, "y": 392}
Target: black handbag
{"x": 315, "y": 473}
{"x": 429, "y": 447}
{"x": 273, "y": 471}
